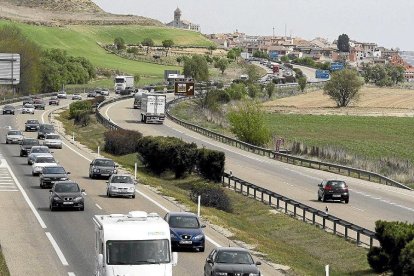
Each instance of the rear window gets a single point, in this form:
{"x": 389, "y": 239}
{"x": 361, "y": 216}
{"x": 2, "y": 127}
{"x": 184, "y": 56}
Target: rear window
{"x": 52, "y": 137}
{"x": 14, "y": 133}
{"x": 336, "y": 184}
{"x": 32, "y": 121}
{"x": 30, "y": 142}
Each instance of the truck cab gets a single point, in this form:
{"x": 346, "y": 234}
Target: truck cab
{"x": 122, "y": 82}
{"x": 136, "y": 243}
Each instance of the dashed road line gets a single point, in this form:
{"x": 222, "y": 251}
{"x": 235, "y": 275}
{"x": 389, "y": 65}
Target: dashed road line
{"x": 99, "y": 207}
{"x": 57, "y": 249}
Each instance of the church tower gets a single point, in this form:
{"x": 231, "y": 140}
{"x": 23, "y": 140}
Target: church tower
{"x": 177, "y": 18}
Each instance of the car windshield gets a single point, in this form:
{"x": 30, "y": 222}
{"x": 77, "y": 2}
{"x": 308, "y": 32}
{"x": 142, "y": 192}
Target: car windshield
{"x": 8, "y": 107}
{"x": 30, "y": 142}
{"x": 183, "y": 222}
{"x": 40, "y": 150}
{"x": 47, "y": 127}
{"x": 45, "y": 159}
{"x": 104, "y": 163}
{"x": 32, "y": 122}
{"x": 52, "y": 137}
{"x": 121, "y": 179}
{"x": 234, "y": 257}
{"x": 138, "y": 252}
{"x": 28, "y": 105}
{"x": 54, "y": 170}
{"x": 336, "y": 184}
{"x": 66, "y": 188}
{"x": 14, "y": 133}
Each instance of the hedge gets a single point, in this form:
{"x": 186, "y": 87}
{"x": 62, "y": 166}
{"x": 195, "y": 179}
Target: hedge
{"x": 212, "y": 195}
{"x": 210, "y": 164}
{"x": 120, "y": 142}
{"x": 76, "y": 107}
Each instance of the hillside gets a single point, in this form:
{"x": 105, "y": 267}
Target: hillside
{"x": 59, "y": 5}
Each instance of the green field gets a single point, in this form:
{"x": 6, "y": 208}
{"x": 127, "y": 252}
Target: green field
{"x": 83, "y": 41}
{"x": 4, "y": 271}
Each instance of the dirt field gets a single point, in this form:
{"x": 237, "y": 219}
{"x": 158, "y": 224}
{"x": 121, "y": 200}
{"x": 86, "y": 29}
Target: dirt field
{"x": 372, "y": 102}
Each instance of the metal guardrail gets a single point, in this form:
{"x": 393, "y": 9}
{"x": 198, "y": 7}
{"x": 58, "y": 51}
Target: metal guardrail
{"x": 107, "y": 122}
{"x": 295, "y": 160}
{"x": 301, "y": 211}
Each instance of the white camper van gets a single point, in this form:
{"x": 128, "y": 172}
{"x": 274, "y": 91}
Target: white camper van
{"x": 133, "y": 244}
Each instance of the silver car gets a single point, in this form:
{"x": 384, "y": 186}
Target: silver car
{"x": 14, "y": 136}
{"x": 120, "y": 185}
{"x": 37, "y": 151}
{"x": 52, "y": 140}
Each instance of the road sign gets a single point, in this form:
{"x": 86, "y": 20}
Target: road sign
{"x": 322, "y": 74}
{"x": 336, "y": 66}
{"x": 184, "y": 88}
{"x": 9, "y": 68}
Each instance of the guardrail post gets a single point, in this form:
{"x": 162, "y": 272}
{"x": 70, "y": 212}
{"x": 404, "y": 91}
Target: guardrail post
{"x": 304, "y": 214}
{"x": 262, "y": 196}
{"x": 358, "y": 237}
{"x": 254, "y": 192}
{"x": 277, "y": 203}
{"x": 371, "y": 241}
{"x": 270, "y": 199}
{"x": 313, "y": 218}
{"x": 286, "y": 206}
{"x": 335, "y": 220}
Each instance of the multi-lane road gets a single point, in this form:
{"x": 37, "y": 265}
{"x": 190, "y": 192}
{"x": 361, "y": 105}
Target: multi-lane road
{"x": 37, "y": 241}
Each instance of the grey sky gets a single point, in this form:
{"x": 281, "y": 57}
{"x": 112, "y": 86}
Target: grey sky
{"x": 389, "y": 23}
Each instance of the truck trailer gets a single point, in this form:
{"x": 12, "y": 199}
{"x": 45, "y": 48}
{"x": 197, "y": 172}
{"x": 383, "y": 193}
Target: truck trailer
{"x": 153, "y": 108}
{"x": 136, "y": 243}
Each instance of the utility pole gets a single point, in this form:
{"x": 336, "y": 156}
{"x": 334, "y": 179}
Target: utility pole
{"x": 285, "y": 29}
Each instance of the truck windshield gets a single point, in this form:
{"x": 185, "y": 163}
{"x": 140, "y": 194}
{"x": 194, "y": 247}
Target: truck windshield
{"x": 119, "y": 80}
{"x": 137, "y": 252}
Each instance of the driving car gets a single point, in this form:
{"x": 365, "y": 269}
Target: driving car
{"x": 39, "y": 104}
{"x": 51, "y": 174}
{"x": 28, "y": 109}
{"x": 91, "y": 94}
{"x": 62, "y": 95}
{"x": 104, "y": 92}
{"x": 52, "y": 140}
{"x": 27, "y": 100}
{"x": 31, "y": 125}
{"x": 9, "y": 109}
{"x": 14, "y": 136}
{"x": 76, "y": 97}
{"x": 120, "y": 185}
{"x": 231, "y": 261}
{"x": 44, "y": 129}
{"x": 186, "y": 231}
{"x": 333, "y": 190}
{"x": 26, "y": 145}
{"x": 42, "y": 161}
{"x": 36, "y": 151}
{"x": 66, "y": 194}
{"x": 54, "y": 100}
{"x": 102, "y": 167}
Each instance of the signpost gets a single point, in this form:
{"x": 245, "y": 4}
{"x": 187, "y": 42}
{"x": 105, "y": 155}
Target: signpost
{"x": 9, "y": 69}
{"x": 184, "y": 88}
{"x": 336, "y": 66}
{"x": 322, "y": 74}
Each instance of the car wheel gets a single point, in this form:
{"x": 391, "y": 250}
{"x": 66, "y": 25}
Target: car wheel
{"x": 33, "y": 174}
{"x": 41, "y": 185}
{"x": 323, "y": 198}
{"x": 91, "y": 176}
{"x": 202, "y": 249}
{"x": 133, "y": 196}
{"x": 7, "y": 141}
{"x": 108, "y": 194}
{"x": 319, "y": 198}
{"x": 51, "y": 207}
{"x": 347, "y": 201}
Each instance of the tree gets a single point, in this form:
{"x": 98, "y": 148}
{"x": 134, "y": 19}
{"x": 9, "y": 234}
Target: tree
{"x": 119, "y": 43}
{"x": 179, "y": 59}
{"x": 302, "y": 83}
{"x": 270, "y": 88}
{"x": 382, "y": 75}
{"x": 343, "y": 87}
{"x": 260, "y": 54}
{"x": 212, "y": 48}
{"x": 253, "y": 72}
{"x": 253, "y": 90}
{"x": 343, "y": 43}
{"x": 148, "y": 42}
{"x": 196, "y": 67}
{"x": 247, "y": 123}
{"x": 284, "y": 59}
{"x": 137, "y": 78}
{"x": 167, "y": 44}
{"x": 221, "y": 64}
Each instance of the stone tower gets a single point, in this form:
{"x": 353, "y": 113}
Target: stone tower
{"x": 177, "y": 17}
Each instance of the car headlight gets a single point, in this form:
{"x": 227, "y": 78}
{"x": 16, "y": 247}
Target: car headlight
{"x": 63, "y": 178}
{"x": 220, "y": 273}
{"x": 36, "y": 169}
{"x": 113, "y": 188}
{"x": 131, "y": 189}
{"x": 57, "y": 198}
{"x": 46, "y": 178}
{"x": 254, "y": 274}
{"x": 79, "y": 198}
{"x": 96, "y": 170}
{"x": 199, "y": 237}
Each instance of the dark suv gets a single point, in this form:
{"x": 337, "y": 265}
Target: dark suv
{"x": 102, "y": 167}
{"x": 44, "y": 129}
{"x": 27, "y": 144}
{"x": 52, "y": 174}
{"x": 333, "y": 190}
{"x": 31, "y": 125}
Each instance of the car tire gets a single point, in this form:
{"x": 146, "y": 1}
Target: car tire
{"x": 323, "y": 198}
{"x": 108, "y": 194}
{"x": 319, "y": 198}
{"x": 41, "y": 185}
{"x": 33, "y": 174}
{"x": 346, "y": 201}
{"x": 202, "y": 249}
{"x": 51, "y": 208}
{"x": 82, "y": 208}
{"x": 133, "y": 196}
{"x": 7, "y": 141}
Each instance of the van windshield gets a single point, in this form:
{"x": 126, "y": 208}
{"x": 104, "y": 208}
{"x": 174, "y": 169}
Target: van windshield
{"x": 138, "y": 252}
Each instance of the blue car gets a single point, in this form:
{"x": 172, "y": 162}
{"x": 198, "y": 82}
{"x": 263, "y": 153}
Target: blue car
{"x": 186, "y": 231}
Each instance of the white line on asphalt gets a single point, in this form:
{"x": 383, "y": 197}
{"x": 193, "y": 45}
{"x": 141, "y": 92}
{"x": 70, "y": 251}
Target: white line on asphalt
{"x": 57, "y": 249}
{"x": 99, "y": 207}
{"x": 9, "y": 190}
{"x": 357, "y": 208}
{"x": 71, "y": 274}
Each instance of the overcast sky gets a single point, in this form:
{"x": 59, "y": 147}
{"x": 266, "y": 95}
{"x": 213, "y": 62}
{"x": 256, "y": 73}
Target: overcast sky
{"x": 389, "y": 23}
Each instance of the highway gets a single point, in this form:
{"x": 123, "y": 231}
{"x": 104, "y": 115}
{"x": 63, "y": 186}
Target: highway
{"x": 368, "y": 201}
{"x": 65, "y": 239}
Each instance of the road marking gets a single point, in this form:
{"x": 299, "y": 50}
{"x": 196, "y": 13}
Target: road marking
{"x": 99, "y": 207}
{"x": 57, "y": 249}
{"x": 71, "y": 274}
{"x": 357, "y": 208}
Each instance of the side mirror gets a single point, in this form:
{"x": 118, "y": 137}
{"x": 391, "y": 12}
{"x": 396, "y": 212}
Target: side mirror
{"x": 100, "y": 260}
{"x": 67, "y": 172}
{"x": 91, "y": 164}
{"x": 320, "y": 185}
{"x": 82, "y": 190}
{"x": 203, "y": 226}
{"x": 208, "y": 260}
{"x": 107, "y": 182}
{"x": 174, "y": 258}
{"x": 258, "y": 263}
{"x": 50, "y": 191}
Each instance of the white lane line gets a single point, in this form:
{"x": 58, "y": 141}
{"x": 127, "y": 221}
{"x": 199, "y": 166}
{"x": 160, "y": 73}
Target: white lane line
{"x": 9, "y": 190}
{"x": 71, "y": 274}
{"x": 357, "y": 208}
{"x": 57, "y": 249}
{"x": 99, "y": 207}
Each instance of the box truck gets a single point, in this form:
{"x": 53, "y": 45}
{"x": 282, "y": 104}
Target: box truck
{"x": 138, "y": 98}
{"x": 122, "y": 82}
{"x": 136, "y": 243}
{"x": 153, "y": 108}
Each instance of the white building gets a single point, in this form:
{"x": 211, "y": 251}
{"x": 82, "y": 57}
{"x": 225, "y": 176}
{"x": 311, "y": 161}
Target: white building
{"x": 182, "y": 24}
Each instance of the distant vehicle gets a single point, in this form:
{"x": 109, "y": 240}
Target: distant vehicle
{"x": 133, "y": 244}
{"x": 44, "y": 129}
{"x": 104, "y": 92}
{"x": 36, "y": 151}
{"x": 51, "y": 174}
{"x": 54, "y": 100}
{"x": 122, "y": 82}
{"x": 28, "y": 109}
{"x": 14, "y": 137}
{"x": 52, "y": 140}
{"x": 27, "y": 144}
{"x": 138, "y": 98}
{"x": 333, "y": 190}
{"x": 31, "y": 125}
{"x": 39, "y": 104}
{"x": 230, "y": 261}
{"x": 91, "y": 94}
{"x": 66, "y": 194}
{"x": 186, "y": 231}
{"x": 76, "y": 97}
{"x": 120, "y": 185}
{"x": 244, "y": 77}
{"x": 27, "y": 100}
{"x": 102, "y": 167}
{"x": 322, "y": 74}
{"x": 62, "y": 95}
{"x": 9, "y": 109}
{"x": 42, "y": 161}
{"x": 127, "y": 91}
{"x": 153, "y": 108}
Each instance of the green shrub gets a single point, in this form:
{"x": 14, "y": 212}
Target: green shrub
{"x": 407, "y": 259}
{"x": 82, "y": 117}
{"x": 212, "y": 195}
{"x": 75, "y": 107}
{"x": 210, "y": 164}
{"x": 378, "y": 259}
{"x": 120, "y": 142}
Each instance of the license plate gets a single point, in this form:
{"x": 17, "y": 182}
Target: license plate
{"x": 186, "y": 242}
{"x": 67, "y": 203}
{"x": 105, "y": 174}
{"x": 336, "y": 195}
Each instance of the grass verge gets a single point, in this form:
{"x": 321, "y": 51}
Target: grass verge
{"x": 282, "y": 239}
{"x": 4, "y": 271}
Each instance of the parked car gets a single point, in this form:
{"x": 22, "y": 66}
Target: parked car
{"x": 333, "y": 190}
{"x": 39, "y": 104}
{"x": 44, "y": 129}
{"x": 14, "y": 137}
{"x": 102, "y": 167}
{"x": 120, "y": 185}
{"x": 31, "y": 125}
{"x": 27, "y": 144}
{"x": 76, "y": 97}
{"x": 62, "y": 95}
{"x": 51, "y": 174}
{"x": 186, "y": 231}
{"x": 36, "y": 151}
{"x": 54, "y": 100}
{"x": 66, "y": 194}
{"x": 42, "y": 161}
{"x": 9, "y": 109}
{"x": 91, "y": 94}
{"x": 230, "y": 261}
{"x": 52, "y": 140}
{"x": 28, "y": 109}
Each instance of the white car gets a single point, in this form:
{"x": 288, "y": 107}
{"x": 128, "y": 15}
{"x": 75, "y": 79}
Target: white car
{"x": 104, "y": 92}
{"x": 52, "y": 140}
{"x": 76, "y": 97}
{"x": 37, "y": 151}
{"x": 42, "y": 161}
{"x": 14, "y": 136}
{"x": 120, "y": 185}
{"x": 62, "y": 95}
{"x": 28, "y": 109}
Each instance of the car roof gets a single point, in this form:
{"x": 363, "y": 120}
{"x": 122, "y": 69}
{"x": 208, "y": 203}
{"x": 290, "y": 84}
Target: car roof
{"x": 182, "y": 214}
{"x": 232, "y": 249}
{"x": 14, "y": 130}
{"x": 40, "y": 147}
{"x": 100, "y": 158}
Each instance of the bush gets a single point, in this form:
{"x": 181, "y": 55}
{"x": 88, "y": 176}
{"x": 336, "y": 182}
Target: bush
{"x": 75, "y": 107}
{"x": 212, "y": 195}
{"x": 210, "y": 164}
{"x": 407, "y": 259}
{"x": 120, "y": 142}
{"x": 82, "y": 117}
{"x": 378, "y": 259}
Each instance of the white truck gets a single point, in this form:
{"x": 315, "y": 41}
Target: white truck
{"x": 153, "y": 108}
{"x": 122, "y": 82}
{"x": 138, "y": 98}
{"x": 133, "y": 244}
